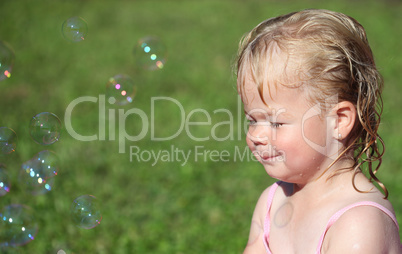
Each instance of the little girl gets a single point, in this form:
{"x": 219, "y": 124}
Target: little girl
{"x": 312, "y": 95}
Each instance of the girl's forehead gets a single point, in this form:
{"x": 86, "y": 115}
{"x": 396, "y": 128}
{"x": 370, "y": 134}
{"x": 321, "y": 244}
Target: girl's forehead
{"x": 275, "y": 98}
{"x": 272, "y": 75}
{"x": 268, "y": 90}
{"x": 272, "y": 68}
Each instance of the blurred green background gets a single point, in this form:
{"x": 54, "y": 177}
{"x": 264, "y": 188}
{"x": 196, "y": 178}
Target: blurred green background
{"x": 201, "y": 206}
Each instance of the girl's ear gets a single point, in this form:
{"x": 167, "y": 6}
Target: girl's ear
{"x": 345, "y": 115}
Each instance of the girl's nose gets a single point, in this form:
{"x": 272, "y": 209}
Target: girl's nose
{"x": 259, "y": 134}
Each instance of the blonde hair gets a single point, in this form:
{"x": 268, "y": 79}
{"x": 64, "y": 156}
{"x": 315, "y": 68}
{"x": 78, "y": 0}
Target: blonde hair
{"x": 336, "y": 62}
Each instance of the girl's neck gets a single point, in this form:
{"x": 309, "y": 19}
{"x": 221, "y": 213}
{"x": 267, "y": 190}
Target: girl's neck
{"x": 338, "y": 176}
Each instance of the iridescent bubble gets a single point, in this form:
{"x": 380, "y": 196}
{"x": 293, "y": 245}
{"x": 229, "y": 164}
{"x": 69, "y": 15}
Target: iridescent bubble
{"x": 150, "y": 53}
{"x": 5, "y": 182}
{"x": 74, "y": 29}
{"x": 85, "y": 212}
{"x": 120, "y": 89}
{"x": 45, "y": 128}
{"x": 37, "y": 174}
{"x": 7, "y": 58}
{"x": 18, "y": 225}
{"x": 8, "y": 140}
{"x": 63, "y": 250}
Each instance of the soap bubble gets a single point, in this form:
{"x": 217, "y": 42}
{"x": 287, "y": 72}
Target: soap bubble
{"x": 62, "y": 249}
{"x": 7, "y": 58}
{"x": 150, "y": 53}
{"x": 45, "y": 128}
{"x": 5, "y": 182}
{"x": 74, "y": 29}
{"x": 85, "y": 211}
{"x": 37, "y": 174}
{"x": 18, "y": 225}
{"x": 120, "y": 89}
{"x": 8, "y": 140}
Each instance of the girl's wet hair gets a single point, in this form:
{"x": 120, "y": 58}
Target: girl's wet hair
{"x": 334, "y": 63}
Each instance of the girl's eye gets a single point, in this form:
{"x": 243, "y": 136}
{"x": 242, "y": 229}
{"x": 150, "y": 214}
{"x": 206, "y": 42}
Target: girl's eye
{"x": 276, "y": 125}
{"x": 252, "y": 121}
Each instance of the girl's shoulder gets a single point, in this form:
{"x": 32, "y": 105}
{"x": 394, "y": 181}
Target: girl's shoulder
{"x": 363, "y": 229}
{"x": 365, "y": 223}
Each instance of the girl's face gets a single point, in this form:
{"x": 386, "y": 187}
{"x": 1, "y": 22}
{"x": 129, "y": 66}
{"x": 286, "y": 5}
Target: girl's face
{"x": 288, "y": 135}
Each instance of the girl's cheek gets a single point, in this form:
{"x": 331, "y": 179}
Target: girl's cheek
{"x": 286, "y": 138}
{"x": 312, "y": 131}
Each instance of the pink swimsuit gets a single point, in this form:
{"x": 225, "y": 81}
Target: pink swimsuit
{"x": 332, "y": 220}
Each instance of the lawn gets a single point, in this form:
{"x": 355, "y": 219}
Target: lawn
{"x": 165, "y": 184}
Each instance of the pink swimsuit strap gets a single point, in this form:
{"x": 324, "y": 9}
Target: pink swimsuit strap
{"x": 332, "y": 220}
{"x": 267, "y": 222}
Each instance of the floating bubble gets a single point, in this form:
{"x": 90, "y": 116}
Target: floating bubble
{"x": 62, "y": 250}
{"x": 150, "y": 53}
{"x": 8, "y": 140}
{"x": 7, "y": 58}
{"x": 18, "y": 225}
{"x": 45, "y": 128}
{"x": 37, "y": 174}
{"x": 74, "y": 29}
{"x": 5, "y": 182}
{"x": 85, "y": 211}
{"x": 120, "y": 89}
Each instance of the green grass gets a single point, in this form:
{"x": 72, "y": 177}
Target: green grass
{"x": 201, "y": 206}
